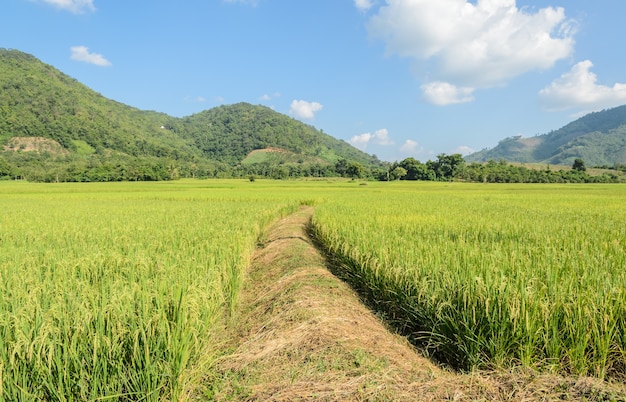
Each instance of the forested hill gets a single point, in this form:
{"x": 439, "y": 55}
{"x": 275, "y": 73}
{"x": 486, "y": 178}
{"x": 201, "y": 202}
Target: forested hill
{"x": 37, "y": 100}
{"x": 229, "y": 133}
{"x": 598, "y": 138}
{"x": 83, "y": 129}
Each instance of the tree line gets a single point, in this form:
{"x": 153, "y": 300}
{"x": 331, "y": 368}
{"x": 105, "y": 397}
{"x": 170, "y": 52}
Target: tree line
{"x": 454, "y": 167}
{"x": 46, "y": 167}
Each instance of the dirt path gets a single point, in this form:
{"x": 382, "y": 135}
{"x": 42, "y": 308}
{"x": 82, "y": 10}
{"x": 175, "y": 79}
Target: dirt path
{"x": 303, "y": 334}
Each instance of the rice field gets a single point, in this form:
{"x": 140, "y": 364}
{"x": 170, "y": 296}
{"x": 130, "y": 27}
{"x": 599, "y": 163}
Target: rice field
{"x": 116, "y": 291}
{"x": 492, "y": 276}
{"x": 120, "y": 291}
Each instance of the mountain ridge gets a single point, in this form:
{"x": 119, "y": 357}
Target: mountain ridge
{"x": 38, "y": 100}
{"x": 598, "y": 138}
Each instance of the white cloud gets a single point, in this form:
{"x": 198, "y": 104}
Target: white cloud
{"x": 363, "y": 5}
{"x": 476, "y": 44}
{"x": 444, "y": 93}
{"x": 360, "y": 141}
{"x": 75, "y": 6}
{"x": 305, "y": 110}
{"x": 380, "y": 137}
{"x": 268, "y": 97}
{"x": 578, "y": 89}
{"x": 411, "y": 147}
{"x": 463, "y": 150}
{"x": 81, "y": 53}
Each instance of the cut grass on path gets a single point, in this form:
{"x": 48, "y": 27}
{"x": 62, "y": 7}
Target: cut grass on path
{"x": 300, "y": 333}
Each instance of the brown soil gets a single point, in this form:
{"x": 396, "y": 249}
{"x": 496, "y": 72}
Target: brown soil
{"x": 300, "y": 333}
{"x": 34, "y": 144}
{"x": 269, "y": 149}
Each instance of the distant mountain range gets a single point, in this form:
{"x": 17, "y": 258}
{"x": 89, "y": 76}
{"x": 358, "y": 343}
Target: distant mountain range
{"x": 79, "y": 135}
{"x": 599, "y": 139}
{"x": 42, "y": 109}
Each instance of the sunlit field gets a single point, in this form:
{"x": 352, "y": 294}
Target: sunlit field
{"x": 490, "y": 275}
{"x": 119, "y": 291}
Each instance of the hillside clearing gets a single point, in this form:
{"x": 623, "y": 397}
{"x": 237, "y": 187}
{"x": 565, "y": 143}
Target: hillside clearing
{"x": 300, "y": 333}
{"x": 35, "y": 144}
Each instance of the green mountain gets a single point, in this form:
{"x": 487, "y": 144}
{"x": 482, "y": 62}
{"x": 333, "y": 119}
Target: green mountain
{"x": 65, "y": 122}
{"x": 37, "y": 100}
{"x": 230, "y": 133}
{"x": 598, "y": 138}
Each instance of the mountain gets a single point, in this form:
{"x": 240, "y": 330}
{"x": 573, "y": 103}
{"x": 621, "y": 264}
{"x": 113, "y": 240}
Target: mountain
{"x": 598, "y": 138}
{"x": 64, "y": 121}
{"x": 37, "y": 100}
{"x": 230, "y": 133}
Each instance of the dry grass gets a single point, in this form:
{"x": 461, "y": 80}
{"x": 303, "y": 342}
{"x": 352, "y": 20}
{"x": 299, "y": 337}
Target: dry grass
{"x": 300, "y": 333}
{"x": 35, "y": 144}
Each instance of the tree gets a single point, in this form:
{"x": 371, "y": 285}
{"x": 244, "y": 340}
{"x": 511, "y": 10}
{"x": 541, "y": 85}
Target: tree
{"x": 6, "y": 170}
{"x": 447, "y": 167}
{"x": 355, "y": 170}
{"x": 341, "y": 167}
{"x": 397, "y": 173}
{"x": 416, "y": 170}
{"x": 579, "y": 165}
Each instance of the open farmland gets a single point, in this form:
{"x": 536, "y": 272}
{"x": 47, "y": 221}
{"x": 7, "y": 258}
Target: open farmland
{"x": 491, "y": 276}
{"x": 118, "y": 289}
{"x": 125, "y": 290}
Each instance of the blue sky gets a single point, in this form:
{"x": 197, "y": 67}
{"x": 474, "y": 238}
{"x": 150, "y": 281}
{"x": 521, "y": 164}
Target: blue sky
{"x": 395, "y": 78}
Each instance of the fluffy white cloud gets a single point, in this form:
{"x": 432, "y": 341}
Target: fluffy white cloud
{"x": 81, "y": 53}
{"x": 360, "y": 141}
{"x": 380, "y": 137}
{"x": 444, "y": 93}
{"x": 476, "y": 44}
{"x": 411, "y": 147}
{"x": 363, "y": 5}
{"x": 75, "y": 6}
{"x": 578, "y": 89}
{"x": 305, "y": 110}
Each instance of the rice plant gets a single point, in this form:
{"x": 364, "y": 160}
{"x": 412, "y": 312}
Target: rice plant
{"x": 486, "y": 276}
{"x": 116, "y": 291}
{"x": 120, "y": 291}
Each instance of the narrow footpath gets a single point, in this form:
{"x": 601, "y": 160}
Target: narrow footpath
{"x": 300, "y": 333}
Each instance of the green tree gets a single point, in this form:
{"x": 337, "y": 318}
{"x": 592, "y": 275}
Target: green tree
{"x": 6, "y": 170}
{"x": 416, "y": 170}
{"x": 341, "y": 167}
{"x": 397, "y": 173}
{"x": 579, "y": 165}
{"x": 355, "y": 170}
{"x": 447, "y": 167}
